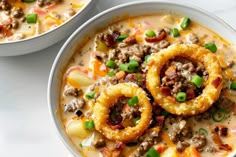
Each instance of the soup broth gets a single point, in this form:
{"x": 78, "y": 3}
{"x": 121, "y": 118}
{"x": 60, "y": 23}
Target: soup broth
{"x": 122, "y": 54}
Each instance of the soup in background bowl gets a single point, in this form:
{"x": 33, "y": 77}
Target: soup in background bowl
{"x": 147, "y": 79}
{"x": 29, "y": 26}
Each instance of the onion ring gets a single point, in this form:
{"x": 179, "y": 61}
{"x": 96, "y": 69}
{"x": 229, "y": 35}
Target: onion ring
{"x": 213, "y": 85}
{"x": 107, "y": 99}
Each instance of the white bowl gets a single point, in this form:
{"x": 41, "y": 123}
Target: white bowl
{"x": 46, "y": 39}
{"x": 102, "y": 20}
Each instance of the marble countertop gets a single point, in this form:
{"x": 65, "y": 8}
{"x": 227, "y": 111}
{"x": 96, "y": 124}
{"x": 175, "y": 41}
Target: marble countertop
{"x": 26, "y": 126}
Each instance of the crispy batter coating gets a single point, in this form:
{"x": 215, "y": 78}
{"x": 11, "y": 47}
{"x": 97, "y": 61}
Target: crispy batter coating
{"x": 107, "y": 99}
{"x": 212, "y": 87}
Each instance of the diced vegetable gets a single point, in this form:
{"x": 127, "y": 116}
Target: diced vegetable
{"x": 211, "y": 46}
{"x": 122, "y": 37}
{"x": 90, "y": 95}
{"x": 150, "y": 33}
{"x": 152, "y": 153}
{"x": 77, "y": 78}
{"x": 233, "y": 85}
{"x": 170, "y": 152}
{"x": 191, "y": 152}
{"x": 89, "y": 124}
{"x": 76, "y": 128}
{"x": 219, "y": 115}
{"x": 185, "y": 23}
{"x": 175, "y": 32}
{"x": 160, "y": 147}
{"x": 133, "y": 101}
{"x": 31, "y": 18}
{"x": 111, "y": 64}
{"x": 101, "y": 46}
{"x": 99, "y": 68}
{"x": 197, "y": 80}
{"x": 181, "y": 96}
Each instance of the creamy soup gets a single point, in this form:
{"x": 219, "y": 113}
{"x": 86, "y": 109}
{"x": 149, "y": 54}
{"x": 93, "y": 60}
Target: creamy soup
{"x": 20, "y": 19}
{"x": 110, "y": 105}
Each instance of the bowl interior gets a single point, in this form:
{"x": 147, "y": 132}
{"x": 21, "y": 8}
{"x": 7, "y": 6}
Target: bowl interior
{"x": 104, "y": 19}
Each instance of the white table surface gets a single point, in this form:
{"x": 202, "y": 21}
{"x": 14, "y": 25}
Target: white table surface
{"x": 26, "y": 128}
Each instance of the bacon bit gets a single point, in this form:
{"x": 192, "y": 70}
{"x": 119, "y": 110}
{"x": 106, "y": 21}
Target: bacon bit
{"x": 160, "y": 148}
{"x": 39, "y": 11}
{"x": 216, "y": 138}
{"x": 112, "y": 152}
{"x": 217, "y": 82}
{"x": 115, "y": 34}
{"x": 130, "y": 40}
{"x": 166, "y": 91}
{"x": 190, "y": 94}
{"x": 225, "y": 147}
{"x": 171, "y": 72}
{"x": 116, "y": 127}
{"x": 222, "y": 130}
{"x": 120, "y": 75}
{"x": 156, "y": 38}
{"x": 160, "y": 120}
{"x": 109, "y": 40}
{"x": 5, "y": 32}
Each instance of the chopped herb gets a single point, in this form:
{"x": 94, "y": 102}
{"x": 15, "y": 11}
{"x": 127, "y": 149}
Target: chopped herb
{"x": 202, "y": 131}
{"x": 139, "y": 77}
{"x": 122, "y": 37}
{"x": 175, "y": 32}
{"x": 89, "y": 124}
{"x": 197, "y": 80}
{"x": 164, "y": 113}
{"x": 90, "y": 95}
{"x": 211, "y": 46}
{"x": 233, "y": 85}
{"x": 31, "y": 18}
{"x": 181, "y": 96}
{"x": 147, "y": 58}
{"x": 111, "y": 73}
{"x": 81, "y": 145}
{"x": 133, "y": 101}
{"x": 219, "y": 115}
{"x": 111, "y": 64}
{"x": 129, "y": 67}
{"x": 185, "y": 23}
{"x": 150, "y": 33}
{"x": 152, "y": 153}
{"x": 136, "y": 120}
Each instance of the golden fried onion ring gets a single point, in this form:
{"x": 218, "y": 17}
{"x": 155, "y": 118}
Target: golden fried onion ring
{"x": 213, "y": 85}
{"x": 107, "y": 99}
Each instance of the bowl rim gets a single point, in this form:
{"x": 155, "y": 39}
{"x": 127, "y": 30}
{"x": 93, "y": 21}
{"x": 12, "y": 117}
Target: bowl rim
{"x": 50, "y": 31}
{"x": 54, "y": 118}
